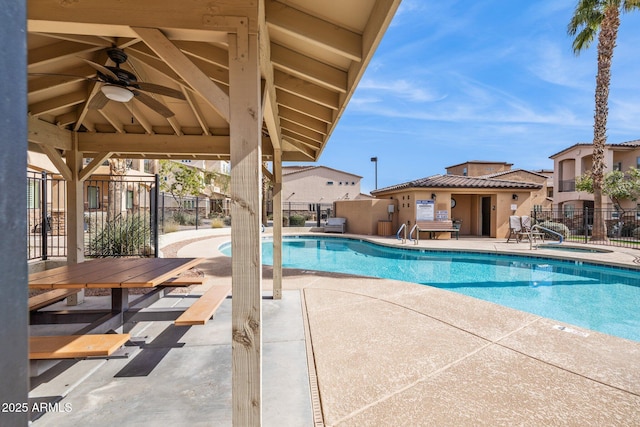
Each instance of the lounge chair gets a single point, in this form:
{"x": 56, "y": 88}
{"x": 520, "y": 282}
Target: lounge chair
{"x": 515, "y": 228}
{"x": 335, "y": 225}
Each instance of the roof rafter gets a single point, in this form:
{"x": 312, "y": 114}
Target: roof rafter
{"x": 314, "y": 31}
{"x": 186, "y": 69}
{"x": 309, "y": 69}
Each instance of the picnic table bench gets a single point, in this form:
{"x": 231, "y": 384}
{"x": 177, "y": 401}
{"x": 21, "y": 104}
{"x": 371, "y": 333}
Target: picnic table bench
{"x": 44, "y": 299}
{"x": 75, "y": 346}
{"x": 206, "y": 305}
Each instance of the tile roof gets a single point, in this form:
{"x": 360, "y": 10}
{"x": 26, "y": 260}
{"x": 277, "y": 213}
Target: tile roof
{"x": 458, "y": 181}
{"x": 482, "y": 162}
{"x": 501, "y": 173}
{"x": 634, "y": 143}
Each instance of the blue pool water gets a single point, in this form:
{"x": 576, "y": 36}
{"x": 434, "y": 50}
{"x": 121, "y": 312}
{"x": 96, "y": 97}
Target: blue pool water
{"x": 604, "y": 299}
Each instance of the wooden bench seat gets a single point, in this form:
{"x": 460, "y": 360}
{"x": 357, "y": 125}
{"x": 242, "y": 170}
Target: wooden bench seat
{"x": 44, "y": 299}
{"x": 432, "y": 227}
{"x": 202, "y": 310}
{"x": 184, "y": 281}
{"x": 74, "y": 346}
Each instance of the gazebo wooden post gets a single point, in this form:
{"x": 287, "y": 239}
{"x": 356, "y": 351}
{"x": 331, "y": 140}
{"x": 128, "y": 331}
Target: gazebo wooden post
{"x": 277, "y": 224}
{"x": 75, "y": 215}
{"x": 246, "y": 182}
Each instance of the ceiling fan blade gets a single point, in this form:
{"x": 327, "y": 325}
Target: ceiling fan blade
{"x": 70, "y": 76}
{"x": 104, "y": 70}
{"x": 98, "y": 101}
{"x": 160, "y": 90}
{"x": 157, "y": 106}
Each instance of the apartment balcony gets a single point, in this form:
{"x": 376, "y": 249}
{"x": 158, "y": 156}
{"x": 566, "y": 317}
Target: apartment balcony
{"x": 568, "y": 185}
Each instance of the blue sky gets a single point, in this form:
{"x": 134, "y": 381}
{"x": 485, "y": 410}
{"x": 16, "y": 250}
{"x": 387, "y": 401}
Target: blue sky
{"x": 485, "y": 80}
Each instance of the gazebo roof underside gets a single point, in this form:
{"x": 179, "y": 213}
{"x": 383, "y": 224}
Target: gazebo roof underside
{"x": 312, "y": 54}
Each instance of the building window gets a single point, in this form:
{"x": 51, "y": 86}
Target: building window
{"x": 617, "y": 166}
{"x": 129, "y": 199}
{"x": 549, "y": 192}
{"x": 329, "y": 182}
{"x": 33, "y": 194}
{"x": 93, "y": 197}
{"x": 568, "y": 211}
{"x": 340, "y": 183}
{"x": 637, "y": 162}
{"x": 464, "y": 171}
{"x": 147, "y": 165}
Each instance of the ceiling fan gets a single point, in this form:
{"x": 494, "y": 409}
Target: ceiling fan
{"x": 121, "y": 85}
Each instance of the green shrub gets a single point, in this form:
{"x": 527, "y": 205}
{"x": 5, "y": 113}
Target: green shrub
{"x": 170, "y": 227}
{"x": 296, "y": 220}
{"x": 183, "y": 218}
{"x": 557, "y": 227}
{"x": 122, "y": 236}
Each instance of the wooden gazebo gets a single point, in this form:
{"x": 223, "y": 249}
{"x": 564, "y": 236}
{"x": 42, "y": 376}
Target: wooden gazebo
{"x": 244, "y": 80}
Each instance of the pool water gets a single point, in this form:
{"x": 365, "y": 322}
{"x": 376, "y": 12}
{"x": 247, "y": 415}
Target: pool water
{"x": 604, "y": 299}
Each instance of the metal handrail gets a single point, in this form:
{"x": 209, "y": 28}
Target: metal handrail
{"x": 547, "y": 230}
{"x": 411, "y": 234}
{"x": 402, "y": 227}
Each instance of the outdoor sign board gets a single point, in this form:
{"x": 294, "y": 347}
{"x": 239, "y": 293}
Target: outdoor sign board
{"x": 425, "y": 210}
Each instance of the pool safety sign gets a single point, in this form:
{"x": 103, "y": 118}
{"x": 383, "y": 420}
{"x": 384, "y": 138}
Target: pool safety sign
{"x": 425, "y": 210}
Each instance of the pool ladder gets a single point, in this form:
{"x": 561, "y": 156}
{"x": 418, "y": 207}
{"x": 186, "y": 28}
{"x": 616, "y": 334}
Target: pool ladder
{"x": 403, "y": 227}
{"x": 546, "y": 230}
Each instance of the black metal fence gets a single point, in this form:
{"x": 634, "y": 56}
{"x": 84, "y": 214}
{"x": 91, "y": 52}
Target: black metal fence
{"x": 576, "y": 226}
{"x": 294, "y": 212}
{"x": 46, "y": 234}
{"x": 120, "y": 216}
{"x": 187, "y": 213}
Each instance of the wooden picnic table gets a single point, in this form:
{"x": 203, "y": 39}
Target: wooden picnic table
{"x": 118, "y": 274}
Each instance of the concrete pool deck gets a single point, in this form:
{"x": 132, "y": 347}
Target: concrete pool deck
{"x": 383, "y": 353}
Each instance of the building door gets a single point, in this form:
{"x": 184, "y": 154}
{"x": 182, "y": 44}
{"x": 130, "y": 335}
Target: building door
{"x": 486, "y": 216}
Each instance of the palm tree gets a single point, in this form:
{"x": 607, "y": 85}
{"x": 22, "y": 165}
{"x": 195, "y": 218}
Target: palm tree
{"x": 591, "y": 17}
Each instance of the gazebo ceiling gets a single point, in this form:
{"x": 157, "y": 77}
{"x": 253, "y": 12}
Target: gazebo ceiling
{"x": 312, "y": 54}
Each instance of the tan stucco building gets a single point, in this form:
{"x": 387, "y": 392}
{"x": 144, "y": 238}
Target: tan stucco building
{"x": 482, "y": 204}
{"x": 576, "y": 160}
{"x": 318, "y": 184}
{"x": 478, "y": 168}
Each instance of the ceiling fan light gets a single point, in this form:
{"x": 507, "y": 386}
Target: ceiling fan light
{"x": 117, "y": 93}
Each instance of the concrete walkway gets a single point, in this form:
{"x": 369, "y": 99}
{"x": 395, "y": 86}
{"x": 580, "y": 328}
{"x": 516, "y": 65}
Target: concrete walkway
{"x": 384, "y": 353}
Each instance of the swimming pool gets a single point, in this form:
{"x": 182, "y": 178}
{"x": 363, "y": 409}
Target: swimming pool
{"x": 604, "y": 299}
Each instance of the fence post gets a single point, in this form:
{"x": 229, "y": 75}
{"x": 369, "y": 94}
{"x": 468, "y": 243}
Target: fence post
{"x": 163, "y": 212}
{"x": 585, "y": 221}
{"x": 43, "y": 214}
{"x": 197, "y": 206}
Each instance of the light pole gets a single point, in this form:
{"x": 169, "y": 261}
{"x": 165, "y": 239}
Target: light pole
{"x": 375, "y": 160}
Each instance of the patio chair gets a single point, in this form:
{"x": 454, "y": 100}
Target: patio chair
{"x": 515, "y": 228}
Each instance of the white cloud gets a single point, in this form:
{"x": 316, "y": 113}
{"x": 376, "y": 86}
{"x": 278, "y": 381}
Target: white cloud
{"x": 412, "y": 91}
